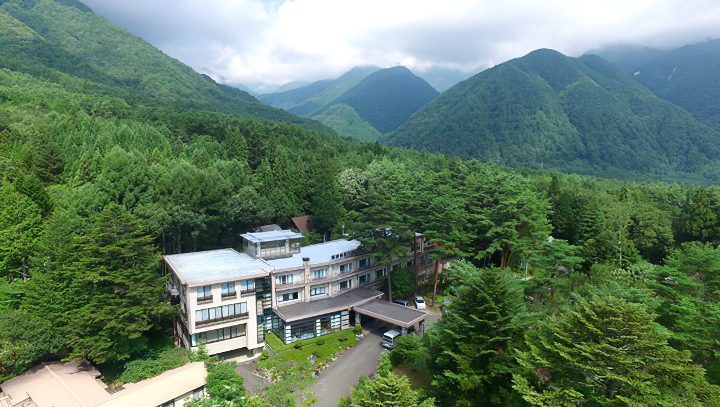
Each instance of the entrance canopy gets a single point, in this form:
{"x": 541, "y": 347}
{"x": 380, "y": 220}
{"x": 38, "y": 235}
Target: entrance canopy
{"x": 390, "y": 312}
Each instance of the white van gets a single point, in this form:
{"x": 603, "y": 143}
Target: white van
{"x": 388, "y": 338}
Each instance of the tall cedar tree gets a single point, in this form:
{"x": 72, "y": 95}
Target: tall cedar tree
{"x": 469, "y": 348}
{"x": 109, "y": 293}
{"x": 608, "y": 352}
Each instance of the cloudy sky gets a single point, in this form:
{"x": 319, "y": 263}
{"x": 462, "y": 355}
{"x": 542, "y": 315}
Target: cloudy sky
{"x": 256, "y": 42}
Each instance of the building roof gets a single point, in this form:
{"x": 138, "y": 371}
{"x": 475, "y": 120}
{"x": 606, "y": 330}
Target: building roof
{"x": 160, "y": 389}
{"x": 317, "y": 253}
{"x": 302, "y": 223}
{"x": 74, "y": 385}
{"x": 271, "y": 236}
{"x": 340, "y": 302}
{"x": 390, "y": 312}
{"x": 216, "y": 266}
{"x": 57, "y": 385}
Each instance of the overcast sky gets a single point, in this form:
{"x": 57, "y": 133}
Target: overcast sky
{"x": 278, "y": 41}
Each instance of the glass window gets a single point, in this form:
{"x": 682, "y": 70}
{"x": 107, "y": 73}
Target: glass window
{"x": 347, "y": 267}
{"x": 204, "y": 293}
{"x": 247, "y": 286}
{"x": 364, "y": 278}
{"x": 288, "y": 297}
{"x": 344, "y": 285}
{"x": 228, "y": 289}
{"x": 381, "y": 273}
{"x": 318, "y": 290}
{"x": 285, "y": 279}
{"x": 320, "y": 273}
{"x": 362, "y": 263}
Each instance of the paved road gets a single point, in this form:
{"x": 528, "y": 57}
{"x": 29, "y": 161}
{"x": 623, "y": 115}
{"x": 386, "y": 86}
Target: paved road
{"x": 337, "y": 380}
{"x": 253, "y": 383}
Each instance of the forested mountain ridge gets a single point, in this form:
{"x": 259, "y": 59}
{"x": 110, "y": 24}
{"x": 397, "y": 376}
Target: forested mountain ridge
{"x": 44, "y": 37}
{"x": 388, "y": 97}
{"x": 577, "y": 115}
{"x": 362, "y": 104}
{"x": 307, "y": 99}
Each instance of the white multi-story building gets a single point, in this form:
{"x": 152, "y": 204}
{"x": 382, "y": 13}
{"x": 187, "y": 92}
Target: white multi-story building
{"x": 228, "y": 300}
{"x": 222, "y": 295}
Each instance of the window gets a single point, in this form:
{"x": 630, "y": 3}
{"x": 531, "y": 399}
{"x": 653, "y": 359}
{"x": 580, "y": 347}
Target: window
{"x": 204, "y": 293}
{"x": 365, "y": 278}
{"x": 286, "y": 279}
{"x": 345, "y": 268}
{"x": 217, "y": 335}
{"x": 247, "y": 286}
{"x": 381, "y": 273}
{"x": 320, "y": 273}
{"x": 228, "y": 290}
{"x": 219, "y": 313}
{"x": 170, "y": 403}
{"x": 317, "y": 290}
{"x": 344, "y": 285}
{"x": 288, "y": 297}
{"x": 362, "y": 263}
{"x": 340, "y": 256}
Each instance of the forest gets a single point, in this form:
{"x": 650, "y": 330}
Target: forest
{"x": 567, "y": 290}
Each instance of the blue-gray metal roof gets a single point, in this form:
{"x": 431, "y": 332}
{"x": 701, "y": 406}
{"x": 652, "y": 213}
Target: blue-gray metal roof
{"x": 216, "y": 266}
{"x": 271, "y": 236}
{"x": 317, "y": 253}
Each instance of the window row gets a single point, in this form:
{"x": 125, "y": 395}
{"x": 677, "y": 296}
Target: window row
{"x": 227, "y": 290}
{"x": 217, "y": 335}
{"x": 340, "y": 256}
{"x": 218, "y": 313}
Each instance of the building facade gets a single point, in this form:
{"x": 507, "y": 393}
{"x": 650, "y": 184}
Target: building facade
{"x": 228, "y": 300}
{"x": 223, "y": 298}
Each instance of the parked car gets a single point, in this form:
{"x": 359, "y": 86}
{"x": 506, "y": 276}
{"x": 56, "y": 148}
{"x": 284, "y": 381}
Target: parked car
{"x": 388, "y": 338}
{"x": 404, "y": 303}
{"x": 419, "y": 302}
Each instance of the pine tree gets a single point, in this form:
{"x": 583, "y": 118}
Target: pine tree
{"x": 608, "y": 352}
{"x": 470, "y": 348}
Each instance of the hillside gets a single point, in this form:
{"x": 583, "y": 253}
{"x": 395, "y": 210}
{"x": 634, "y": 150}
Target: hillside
{"x": 689, "y": 77}
{"x": 628, "y": 57}
{"x": 346, "y": 122}
{"x": 577, "y": 115}
{"x": 305, "y": 100}
{"x": 44, "y": 37}
{"x": 388, "y": 97}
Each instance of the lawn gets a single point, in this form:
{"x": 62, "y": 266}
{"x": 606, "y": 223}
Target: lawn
{"x": 323, "y": 347}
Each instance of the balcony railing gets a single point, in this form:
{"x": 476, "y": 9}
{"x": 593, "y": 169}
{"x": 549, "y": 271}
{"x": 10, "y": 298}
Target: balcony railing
{"x": 220, "y": 319}
{"x": 228, "y": 295}
{"x": 206, "y": 298}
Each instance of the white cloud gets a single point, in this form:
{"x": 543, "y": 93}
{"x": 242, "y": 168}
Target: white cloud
{"x": 255, "y": 41}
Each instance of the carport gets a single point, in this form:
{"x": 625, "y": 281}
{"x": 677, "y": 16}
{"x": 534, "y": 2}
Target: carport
{"x": 395, "y": 314}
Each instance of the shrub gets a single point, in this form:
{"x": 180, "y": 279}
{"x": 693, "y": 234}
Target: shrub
{"x": 264, "y": 355}
{"x": 357, "y": 329}
{"x": 322, "y": 342}
{"x": 224, "y": 382}
{"x": 298, "y": 346}
{"x": 166, "y": 359}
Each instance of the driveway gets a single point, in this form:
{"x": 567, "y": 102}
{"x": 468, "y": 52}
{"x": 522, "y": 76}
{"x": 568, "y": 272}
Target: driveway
{"x": 337, "y": 380}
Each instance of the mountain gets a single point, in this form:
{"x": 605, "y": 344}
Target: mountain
{"x": 305, "y": 100}
{"x": 387, "y": 98}
{"x": 44, "y": 37}
{"x": 689, "y": 77}
{"x": 362, "y": 103}
{"x": 578, "y": 115}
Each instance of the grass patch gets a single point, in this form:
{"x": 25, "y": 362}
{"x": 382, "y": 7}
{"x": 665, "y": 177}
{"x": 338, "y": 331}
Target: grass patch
{"x": 420, "y": 379}
{"x": 323, "y": 347}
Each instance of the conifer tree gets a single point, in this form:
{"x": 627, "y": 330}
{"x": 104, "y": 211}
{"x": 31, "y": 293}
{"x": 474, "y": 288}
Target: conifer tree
{"x": 470, "y": 348}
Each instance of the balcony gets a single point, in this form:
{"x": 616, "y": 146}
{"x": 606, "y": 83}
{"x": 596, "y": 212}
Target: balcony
{"x": 222, "y": 319}
{"x": 229, "y": 295}
{"x": 206, "y": 299}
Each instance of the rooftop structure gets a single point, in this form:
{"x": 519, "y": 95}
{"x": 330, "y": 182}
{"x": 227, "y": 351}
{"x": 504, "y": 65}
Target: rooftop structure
{"x": 272, "y": 244}
{"x": 317, "y": 254}
{"x": 215, "y": 266}
{"x": 271, "y": 236}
